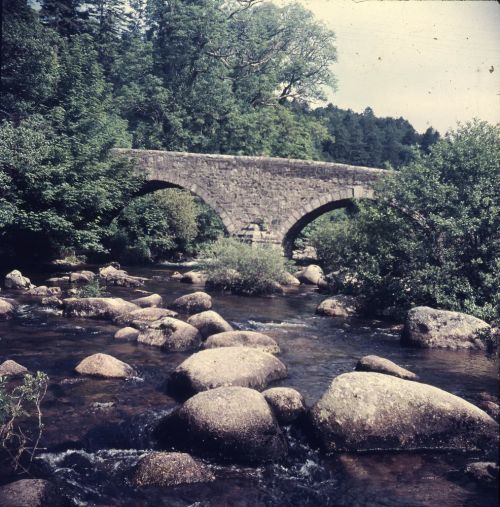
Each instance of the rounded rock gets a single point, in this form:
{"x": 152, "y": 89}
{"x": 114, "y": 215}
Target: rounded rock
{"x": 144, "y": 317}
{"x": 243, "y": 339}
{"x": 232, "y": 424}
{"x": 31, "y": 493}
{"x": 170, "y": 469}
{"x": 287, "y": 403}
{"x": 338, "y": 306}
{"x": 372, "y": 411}
{"x": 209, "y": 323}
{"x": 11, "y": 368}
{"x": 227, "y": 366}
{"x": 98, "y": 308}
{"x": 127, "y": 333}
{"x": 381, "y": 365}
{"x": 104, "y": 365}
{"x": 310, "y": 275}
{"x": 16, "y": 280}
{"x": 193, "y": 303}
{"x": 171, "y": 334}
{"x": 151, "y": 301}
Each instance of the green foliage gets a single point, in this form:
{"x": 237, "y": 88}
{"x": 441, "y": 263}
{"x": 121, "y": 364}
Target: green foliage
{"x": 19, "y": 405}
{"x": 242, "y": 268}
{"x": 92, "y": 289}
{"x": 161, "y": 226}
{"x": 433, "y": 235}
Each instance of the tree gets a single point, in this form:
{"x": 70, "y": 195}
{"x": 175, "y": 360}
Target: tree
{"x": 433, "y": 235}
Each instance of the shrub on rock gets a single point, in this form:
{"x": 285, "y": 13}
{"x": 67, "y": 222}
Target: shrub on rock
{"x": 372, "y": 411}
{"x": 428, "y": 328}
{"x": 209, "y": 323}
{"x": 170, "y": 469}
{"x": 227, "y": 424}
{"x": 227, "y": 366}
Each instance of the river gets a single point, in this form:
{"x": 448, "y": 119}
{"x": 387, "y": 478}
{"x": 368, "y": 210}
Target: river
{"x": 96, "y": 430}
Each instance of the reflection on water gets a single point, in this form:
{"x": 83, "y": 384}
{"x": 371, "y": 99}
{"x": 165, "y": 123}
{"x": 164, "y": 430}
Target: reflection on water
{"x": 96, "y": 430}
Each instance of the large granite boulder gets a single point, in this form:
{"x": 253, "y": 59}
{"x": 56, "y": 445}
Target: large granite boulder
{"x": 227, "y": 366}
{"x": 113, "y": 276}
{"x": 338, "y": 306}
{"x": 226, "y": 424}
{"x": 251, "y": 339}
{"x": 193, "y": 303}
{"x": 97, "y": 308}
{"x": 16, "y": 280}
{"x": 287, "y": 403}
{"x": 104, "y": 365}
{"x": 373, "y": 411}
{"x": 171, "y": 334}
{"x": 153, "y": 300}
{"x": 310, "y": 275}
{"x": 31, "y": 493}
{"x": 11, "y": 368}
{"x": 209, "y": 323}
{"x": 383, "y": 365}
{"x": 428, "y": 328}
{"x": 170, "y": 469}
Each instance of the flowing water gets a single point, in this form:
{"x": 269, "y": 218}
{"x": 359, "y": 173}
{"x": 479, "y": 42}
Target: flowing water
{"x": 96, "y": 430}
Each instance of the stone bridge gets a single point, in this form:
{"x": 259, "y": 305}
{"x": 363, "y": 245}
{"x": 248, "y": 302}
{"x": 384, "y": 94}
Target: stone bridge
{"x": 259, "y": 199}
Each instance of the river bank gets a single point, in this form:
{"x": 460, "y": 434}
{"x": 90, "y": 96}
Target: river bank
{"x": 96, "y": 430}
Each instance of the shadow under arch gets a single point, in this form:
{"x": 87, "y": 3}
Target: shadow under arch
{"x": 309, "y": 216}
{"x": 154, "y": 185}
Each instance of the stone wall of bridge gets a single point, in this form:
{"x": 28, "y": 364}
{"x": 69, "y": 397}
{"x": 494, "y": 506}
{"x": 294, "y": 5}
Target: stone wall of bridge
{"x": 259, "y": 199}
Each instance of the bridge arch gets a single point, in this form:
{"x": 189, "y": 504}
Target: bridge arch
{"x": 160, "y": 184}
{"x": 311, "y": 211}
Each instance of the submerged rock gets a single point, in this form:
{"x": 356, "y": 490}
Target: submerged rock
{"x": 170, "y": 469}
{"x": 338, "y": 306}
{"x": 58, "y": 280}
{"x": 11, "y": 368}
{"x": 193, "y": 303}
{"x": 310, "y": 275}
{"x": 486, "y": 473}
{"x": 148, "y": 301}
{"x": 98, "y": 308}
{"x": 382, "y": 365}
{"x": 171, "y": 334}
{"x": 429, "y": 328}
{"x": 227, "y": 424}
{"x": 287, "y": 403}
{"x": 209, "y": 323}
{"x": 104, "y": 365}
{"x": 194, "y": 277}
{"x": 31, "y": 493}
{"x": 127, "y": 333}
{"x": 243, "y": 339}
{"x": 372, "y": 411}
{"x": 15, "y": 280}
{"x": 227, "y": 366}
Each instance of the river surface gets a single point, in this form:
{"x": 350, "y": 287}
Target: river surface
{"x": 96, "y": 430}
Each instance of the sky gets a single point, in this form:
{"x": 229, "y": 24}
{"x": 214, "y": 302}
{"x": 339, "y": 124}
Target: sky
{"x": 431, "y": 62}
